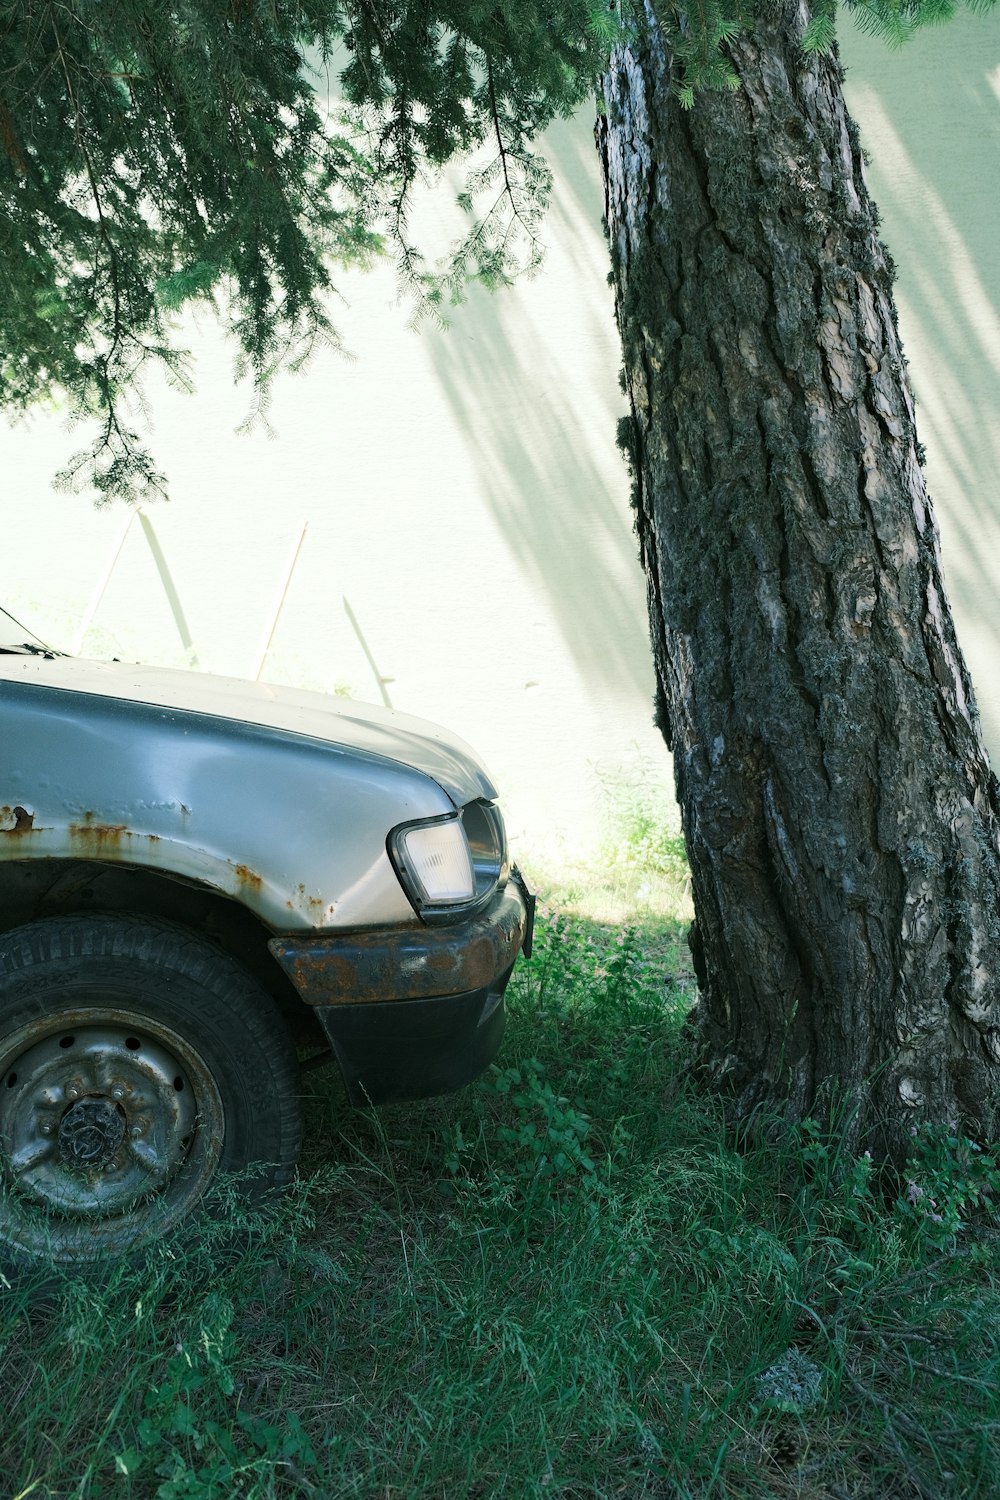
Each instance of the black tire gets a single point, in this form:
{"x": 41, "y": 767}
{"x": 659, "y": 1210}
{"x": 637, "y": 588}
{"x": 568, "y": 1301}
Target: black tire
{"x": 137, "y": 1064}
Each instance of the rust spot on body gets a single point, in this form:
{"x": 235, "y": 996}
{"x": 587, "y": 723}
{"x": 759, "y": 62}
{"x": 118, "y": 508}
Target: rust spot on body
{"x": 249, "y": 877}
{"x": 19, "y": 818}
{"x": 315, "y": 905}
{"x": 104, "y": 837}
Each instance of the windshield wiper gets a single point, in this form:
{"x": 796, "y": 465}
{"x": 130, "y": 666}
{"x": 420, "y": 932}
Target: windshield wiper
{"x": 24, "y": 649}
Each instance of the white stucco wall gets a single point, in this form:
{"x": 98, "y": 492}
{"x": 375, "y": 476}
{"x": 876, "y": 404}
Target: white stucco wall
{"x": 461, "y": 490}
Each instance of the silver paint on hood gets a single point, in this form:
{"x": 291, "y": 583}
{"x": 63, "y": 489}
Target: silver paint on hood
{"x": 383, "y": 732}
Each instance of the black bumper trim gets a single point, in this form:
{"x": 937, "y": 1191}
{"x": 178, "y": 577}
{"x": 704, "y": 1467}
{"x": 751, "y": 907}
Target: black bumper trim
{"x": 414, "y": 1049}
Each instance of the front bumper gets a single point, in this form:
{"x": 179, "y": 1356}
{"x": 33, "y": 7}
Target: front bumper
{"x": 415, "y": 1011}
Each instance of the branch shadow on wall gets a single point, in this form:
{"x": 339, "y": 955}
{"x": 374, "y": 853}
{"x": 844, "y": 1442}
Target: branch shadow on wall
{"x": 930, "y": 116}
{"x": 543, "y": 436}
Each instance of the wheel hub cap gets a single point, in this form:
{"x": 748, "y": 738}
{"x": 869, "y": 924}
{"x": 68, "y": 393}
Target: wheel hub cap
{"x": 90, "y": 1133}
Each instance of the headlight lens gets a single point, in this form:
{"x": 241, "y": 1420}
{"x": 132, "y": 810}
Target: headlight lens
{"x": 434, "y": 863}
{"x": 449, "y": 863}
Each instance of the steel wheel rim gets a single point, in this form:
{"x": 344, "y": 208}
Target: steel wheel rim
{"x": 111, "y": 1128}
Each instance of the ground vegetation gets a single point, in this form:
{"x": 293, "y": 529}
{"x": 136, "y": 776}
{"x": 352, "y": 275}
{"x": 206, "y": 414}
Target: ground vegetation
{"x": 567, "y": 1280}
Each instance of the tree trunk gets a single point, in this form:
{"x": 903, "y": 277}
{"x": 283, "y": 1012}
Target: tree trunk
{"x": 840, "y": 814}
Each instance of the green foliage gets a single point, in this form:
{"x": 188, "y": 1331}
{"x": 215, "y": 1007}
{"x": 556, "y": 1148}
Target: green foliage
{"x": 697, "y": 39}
{"x": 951, "y": 1181}
{"x": 821, "y": 32}
{"x": 195, "y": 1455}
{"x": 549, "y": 1135}
{"x": 642, "y": 830}
{"x": 150, "y": 157}
{"x": 896, "y": 21}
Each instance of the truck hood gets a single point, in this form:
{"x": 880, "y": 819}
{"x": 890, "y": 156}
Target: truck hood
{"x": 348, "y": 725}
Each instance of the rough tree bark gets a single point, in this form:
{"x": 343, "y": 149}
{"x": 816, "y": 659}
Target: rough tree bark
{"x": 840, "y": 814}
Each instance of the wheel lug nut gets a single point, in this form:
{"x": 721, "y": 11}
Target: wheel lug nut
{"x": 118, "y": 1092}
{"x": 47, "y": 1128}
{"x": 135, "y": 1132}
{"x": 72, "y": 1092}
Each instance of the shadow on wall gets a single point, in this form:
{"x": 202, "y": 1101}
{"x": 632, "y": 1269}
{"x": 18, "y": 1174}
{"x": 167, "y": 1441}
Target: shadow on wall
{"x": 930, "y": 117}
{"x": 548, "y": 468}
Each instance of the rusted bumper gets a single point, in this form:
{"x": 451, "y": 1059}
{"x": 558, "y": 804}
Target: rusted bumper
{"x": 409, "y": 963}
{"x": 412, "y": 1012}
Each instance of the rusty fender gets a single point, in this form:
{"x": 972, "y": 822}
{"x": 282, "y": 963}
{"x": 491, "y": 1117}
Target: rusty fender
{"x": 408, "y": 963}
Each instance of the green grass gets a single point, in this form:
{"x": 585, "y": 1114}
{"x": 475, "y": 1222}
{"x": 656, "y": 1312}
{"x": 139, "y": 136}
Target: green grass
{"x": 568, "y": 1280}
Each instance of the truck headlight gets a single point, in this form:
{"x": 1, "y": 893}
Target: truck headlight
{"x": 454, "y": 862}
{"x": 433, "y": 861}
